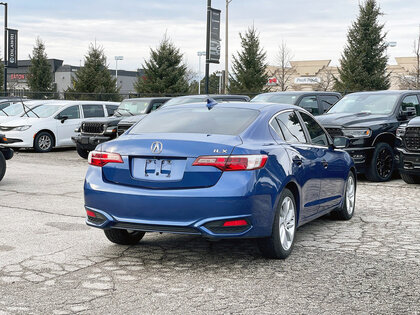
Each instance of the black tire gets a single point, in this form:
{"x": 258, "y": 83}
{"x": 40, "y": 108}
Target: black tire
{"x": 271, "y": 247}
{"x": 410, "y": 179}
{"x": 83, "y": 153}
{"x": 2, "y": 166}
{"x": 124, "y": 237}
{"x": 381, "y": 166}
{"x": 346, "y": 211}
{"x": 44, "y": 142}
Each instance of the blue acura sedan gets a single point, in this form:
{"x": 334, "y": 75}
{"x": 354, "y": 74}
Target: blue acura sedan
{"x": 228, "y": 170}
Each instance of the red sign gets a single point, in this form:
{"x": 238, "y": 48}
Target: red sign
{"x": 17, "y": 76}
{"x": 272, "y": 81}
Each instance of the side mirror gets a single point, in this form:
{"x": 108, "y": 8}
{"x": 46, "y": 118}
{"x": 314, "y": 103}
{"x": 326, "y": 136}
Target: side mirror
{"x": 408, "y": 113}
{"x": 63, "y": 118}
{"x": 341, "y": 142}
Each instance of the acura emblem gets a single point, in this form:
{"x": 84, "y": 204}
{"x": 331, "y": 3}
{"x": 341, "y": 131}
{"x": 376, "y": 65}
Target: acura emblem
{"x": 156, "y": 147}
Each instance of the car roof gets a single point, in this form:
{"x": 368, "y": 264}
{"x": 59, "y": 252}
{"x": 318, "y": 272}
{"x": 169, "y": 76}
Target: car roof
{"x": 147, "y": 98}
{"x": 391, "y": 92}
{"x": 299, "y": 93}
{"x": 226, "y": 96}
{"x": 245, "y": 105}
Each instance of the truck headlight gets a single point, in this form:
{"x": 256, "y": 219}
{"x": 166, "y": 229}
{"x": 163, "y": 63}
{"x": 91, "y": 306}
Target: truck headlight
{"x": 111, "y": 130}
{"x": 22, "y": 128}
{"x": 400, "y": 132}
{"x": 358, "y": 133}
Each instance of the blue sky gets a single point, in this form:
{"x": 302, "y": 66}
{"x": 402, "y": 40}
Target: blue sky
{"x": 311, "y": 29}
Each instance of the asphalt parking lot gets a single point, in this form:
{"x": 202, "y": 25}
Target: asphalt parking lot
{"x": 52, "y": 263}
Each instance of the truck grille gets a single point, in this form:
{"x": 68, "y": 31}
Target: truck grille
{"x": 92, "y": 127}
{"x": 412, "y": 138}
{"x": 334, "y": 132}
{"x": 123, "y": 128}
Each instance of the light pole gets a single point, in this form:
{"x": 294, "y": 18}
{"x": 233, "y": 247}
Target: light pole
{"x": 227, "y": 46}
{"x": 199, "y": 54}
{"x": 5, "y": 47}
{"x": 219, "y": 74}
{"x": 116, "y": 68}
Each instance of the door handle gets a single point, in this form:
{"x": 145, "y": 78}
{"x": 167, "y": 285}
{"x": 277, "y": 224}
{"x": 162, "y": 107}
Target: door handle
{"x": 297, "y": 160}
{"x": 325, "y": 164}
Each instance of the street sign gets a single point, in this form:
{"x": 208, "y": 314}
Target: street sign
{"x": 214, "y": 54}
{"x": 12, "y": 48}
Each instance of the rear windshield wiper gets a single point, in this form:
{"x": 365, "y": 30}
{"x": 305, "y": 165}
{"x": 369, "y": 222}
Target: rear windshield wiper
{"x": 27, "y": 107}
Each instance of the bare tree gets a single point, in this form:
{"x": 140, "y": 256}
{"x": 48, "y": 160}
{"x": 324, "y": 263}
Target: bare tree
{"x": 412, "y": 80}
{"x": 327, "y": 81}
{"x": 284, "y": 70}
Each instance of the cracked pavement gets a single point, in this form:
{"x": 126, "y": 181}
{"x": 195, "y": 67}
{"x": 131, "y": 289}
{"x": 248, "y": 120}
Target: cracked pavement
{"x": 52, "y": 263}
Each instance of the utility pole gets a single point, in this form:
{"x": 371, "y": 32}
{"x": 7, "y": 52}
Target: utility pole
{"x": 5, "y": 47}
{"x": 227, "y": 47}
{"x": 208, "y": 47}
{"x": 199, "y": 54}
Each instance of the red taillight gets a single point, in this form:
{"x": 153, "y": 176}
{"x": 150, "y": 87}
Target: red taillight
{"x": 235, "y": 223}
{"x": 233, "y": 162}
{"x": 90, "y": 213}
{"x": 102, "y": 158}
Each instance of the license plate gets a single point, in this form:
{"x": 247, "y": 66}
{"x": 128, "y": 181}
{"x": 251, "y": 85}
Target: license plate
{"x": 158, "y": 169}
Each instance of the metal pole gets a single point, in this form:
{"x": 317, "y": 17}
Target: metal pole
{"x": 208, "y": 46}
{"x": 5, "y": 48}
{"x": 227, "y": 47}
{"x": 199, "y": 73}
{"x": 116, "y": 73}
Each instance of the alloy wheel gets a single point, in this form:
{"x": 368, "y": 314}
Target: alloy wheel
{"x": 350, "y": 195}
{"x": 287, "y": 223}
{"x": 384, "y": 163}
{"x": 44, "y": 142}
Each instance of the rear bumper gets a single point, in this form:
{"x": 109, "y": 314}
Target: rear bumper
{"x": 184, "y": 211}
{"x": 89, "y": 142}
{"x": 407, "y": 162}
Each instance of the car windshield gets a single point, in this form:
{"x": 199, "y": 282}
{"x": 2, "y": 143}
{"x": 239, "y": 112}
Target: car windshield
{"x": 224, "y": 121}
{"x": 133, "y": 107}
{"x": 275, "y": 98}
{"x": 185, "y": 100}
{"x": 379, "y": 104}
{"x": 12, "y": 110}
{"x": 42, "y": 111}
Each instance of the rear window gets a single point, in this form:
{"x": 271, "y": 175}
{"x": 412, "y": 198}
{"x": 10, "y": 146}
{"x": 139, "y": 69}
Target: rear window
{"x": 224, "y": 121}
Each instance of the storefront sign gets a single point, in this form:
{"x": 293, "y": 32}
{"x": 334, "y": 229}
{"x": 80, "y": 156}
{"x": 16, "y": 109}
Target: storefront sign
{"x": 307, "y": 80}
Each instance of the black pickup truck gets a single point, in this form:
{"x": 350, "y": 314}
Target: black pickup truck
{"x": 99, "y": 130}
{"x": 5, "y": 154}
{"x": 408, "y": 151}
{"x": 370, "y": 120}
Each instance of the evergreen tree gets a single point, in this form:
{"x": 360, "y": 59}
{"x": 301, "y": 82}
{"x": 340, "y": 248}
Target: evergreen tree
{"x": 363, "y": 62}
{"x": 40, "y": 77}
{"x": 248, "y": 73}
{"x": 93, "y": 80}
{"x": 164, "y": 72}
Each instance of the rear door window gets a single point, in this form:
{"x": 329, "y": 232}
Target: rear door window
{"x": 93, "y": 110}
{"x": 224, "y": 121}
{"x": 327, "y": 101}
{"x": 156, "y": 105}
{"x": 310, "y": 103}
{"x": 291, "y": 127}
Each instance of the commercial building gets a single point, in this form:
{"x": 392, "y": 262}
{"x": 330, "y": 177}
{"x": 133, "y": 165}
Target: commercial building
{"x": 318, "y": 75}
{"x": 17, "y": 77}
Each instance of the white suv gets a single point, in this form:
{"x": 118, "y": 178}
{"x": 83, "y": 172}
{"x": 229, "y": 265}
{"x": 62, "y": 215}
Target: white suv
{"x": 52, "y": 124}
